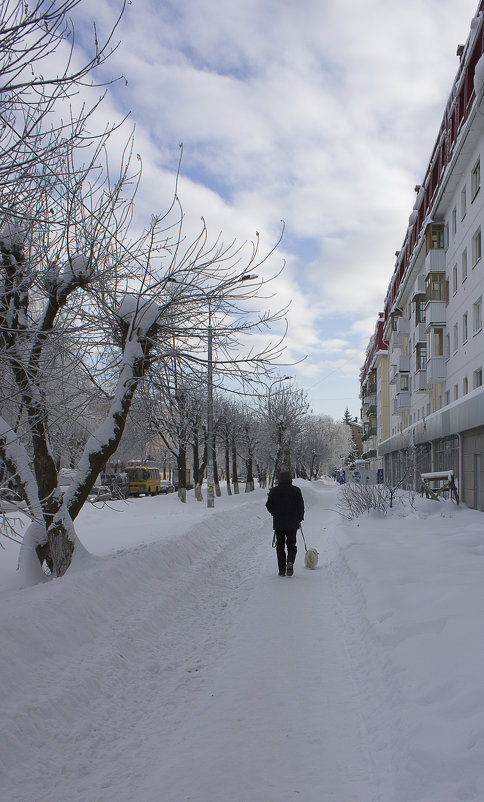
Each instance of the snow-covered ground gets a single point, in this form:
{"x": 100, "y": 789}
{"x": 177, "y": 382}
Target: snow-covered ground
{"x": 176, "y": 665}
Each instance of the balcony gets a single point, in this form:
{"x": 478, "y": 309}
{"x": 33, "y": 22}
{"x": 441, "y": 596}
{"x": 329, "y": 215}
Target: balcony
{"x": 421, "y": 332}
{"x": 401, "y": 402}
{"x": 402, "y": 330}
{"x": 435, "y": 314}
{"x": 402, "y": 366}
{"x": 420, "y": 383}
{"x": 435, "y": 261}
{"x": 369, "y": 433}
{"x": 418, "y": 287}
{"x": 436, "y": 369}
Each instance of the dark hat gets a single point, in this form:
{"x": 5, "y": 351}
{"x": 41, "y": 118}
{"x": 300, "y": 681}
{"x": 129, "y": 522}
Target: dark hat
{"x": 285, "y": 478}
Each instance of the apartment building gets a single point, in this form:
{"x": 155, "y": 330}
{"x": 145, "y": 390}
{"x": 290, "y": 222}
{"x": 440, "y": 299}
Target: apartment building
{"x": 375, "y": 397}
{"x": 422, "y": 382}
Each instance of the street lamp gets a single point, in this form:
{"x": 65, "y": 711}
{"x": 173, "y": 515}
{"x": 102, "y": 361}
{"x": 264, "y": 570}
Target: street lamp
{"x": 210, "y": 439}
{"x": 210, "y": 434}
{"x": 284, "y": 379}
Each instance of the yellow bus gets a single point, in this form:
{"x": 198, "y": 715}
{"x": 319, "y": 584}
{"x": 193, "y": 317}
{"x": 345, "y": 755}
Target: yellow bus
{"x": 144, "y": 479}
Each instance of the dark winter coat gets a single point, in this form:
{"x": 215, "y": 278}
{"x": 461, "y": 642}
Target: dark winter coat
{"x": 286, "y": 505}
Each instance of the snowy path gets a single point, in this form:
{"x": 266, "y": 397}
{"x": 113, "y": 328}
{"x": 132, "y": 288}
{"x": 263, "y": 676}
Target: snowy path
{"x": 191, "y": 672}
{"x": 279, "y": 719}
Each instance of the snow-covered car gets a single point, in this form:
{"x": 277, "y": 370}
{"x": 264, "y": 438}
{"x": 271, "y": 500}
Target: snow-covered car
{"x": 10, "y": 500}
{"x": 166, "y": 486}
{"x": 118, "y": 484}
{"x": 100, "y": 493}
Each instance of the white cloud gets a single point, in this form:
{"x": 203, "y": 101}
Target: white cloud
{"x": 322, "y": 113}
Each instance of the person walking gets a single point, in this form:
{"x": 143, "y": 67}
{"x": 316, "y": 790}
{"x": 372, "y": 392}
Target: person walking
{"x": 286, "y": 505}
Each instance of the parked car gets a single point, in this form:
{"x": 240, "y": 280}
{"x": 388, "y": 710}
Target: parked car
{"x": 118, "y": 483}
{"x": 10, "y": 500}
{"x": 100, "y": 493}
{"x": 166, "y": 486}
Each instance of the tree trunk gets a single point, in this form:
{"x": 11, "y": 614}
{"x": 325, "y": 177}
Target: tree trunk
{"x": 249, "y": 485}
{"x": 234, "y": 468}
{"x": 199, "y": 468}
{"x": 227, "y": 465}
{"x": 216, "y": 480}
{"x": 181, "y": 461}
{"x": 196, "y": 465}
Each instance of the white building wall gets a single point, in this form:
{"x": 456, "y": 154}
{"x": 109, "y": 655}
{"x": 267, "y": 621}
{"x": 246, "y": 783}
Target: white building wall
{"x": 468, "y": 356}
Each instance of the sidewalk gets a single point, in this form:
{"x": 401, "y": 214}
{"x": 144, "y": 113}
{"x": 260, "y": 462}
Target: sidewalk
{"x": 279, "y": 718}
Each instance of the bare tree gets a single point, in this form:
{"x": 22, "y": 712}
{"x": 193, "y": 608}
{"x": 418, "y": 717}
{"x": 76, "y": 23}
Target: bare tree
{"x": 30, "y": 33}
{"x": 72, "y": 268}
{"x": 199, "y": 443}
{"x": 169, "y": 406}
{"x": 224, "y": 432}
{"x": 284, "y": 413}
{"x": 249, "y": 438}
{"x": 325, "y": 443}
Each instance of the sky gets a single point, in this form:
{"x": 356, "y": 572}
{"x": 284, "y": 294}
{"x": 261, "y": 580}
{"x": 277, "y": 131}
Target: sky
{"x": 319, "y": 113}
{"x": 171, "y": 662}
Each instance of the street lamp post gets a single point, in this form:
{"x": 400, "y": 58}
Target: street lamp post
{"x": 210, "y": 438}
{"x": 210, "y": 432}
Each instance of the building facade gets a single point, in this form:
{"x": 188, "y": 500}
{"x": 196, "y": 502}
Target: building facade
{"x": 426, "y": 359}
{"x": 375, "y": 397}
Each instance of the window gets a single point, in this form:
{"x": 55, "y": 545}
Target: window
{"x": 404, "y": 385}
{"x": 477, "y": 378}
{"x": 454, "y": 221}
{"x": 464, "y": 265}
{"x": 437, "y": 343}
{"x": 446, "y": 454}
{"x": 455, "y": 338}
{"x": 464, "y": 327}
{"x": 465, "y": 386}
{"x": 476, "y": 247}
{"x": 447, "y": 397}
{"x": 475, "y": 179}
{"x": 437, "y": 287}
{"x": 454, "y": 280}
{"x": 477, "y": 316}
{"x": 420, "y": 305}
{"x": 463, "y": 203}
{"x": 421, "y": 356}
{"x": 456, "y": 392}
{"x": 434, "y": 236}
